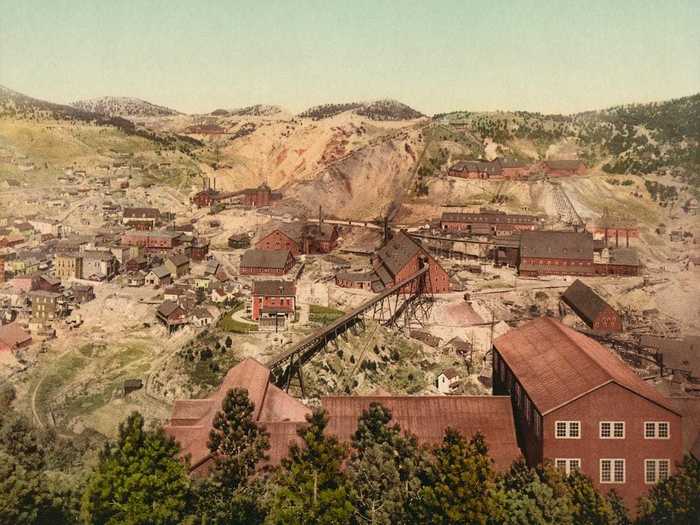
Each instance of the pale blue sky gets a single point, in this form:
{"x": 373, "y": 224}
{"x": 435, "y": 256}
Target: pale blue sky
{"x": 195, "y": 56}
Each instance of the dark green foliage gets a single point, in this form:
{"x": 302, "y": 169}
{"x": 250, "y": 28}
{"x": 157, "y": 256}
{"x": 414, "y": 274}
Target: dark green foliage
{"x": 675, "y": 501}
{"x": 139, "y": 480}
{"x": 459, "y": 485}
{"x": 523, "y": 497}
{"x": 385, "y": 469}
{"x": 238, "y": 445}
{"x": 590, "y": 507}
{"x": 310, "y": 487}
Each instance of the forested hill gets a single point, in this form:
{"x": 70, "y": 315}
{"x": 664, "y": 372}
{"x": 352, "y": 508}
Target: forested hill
{"x": 658, "y": 137}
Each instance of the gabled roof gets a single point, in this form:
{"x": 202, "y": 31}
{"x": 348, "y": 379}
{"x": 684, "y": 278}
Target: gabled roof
{"x": 556, "y": 245}
{"x": 398, "y": 251}
{"x": 277, "y": 411}
{"x": 167, "y": 308}
{"x": 276, "y": 259}
{"x": 141, "y": 213}
{"x": 179, "y": 260}
{"x": 557, "y": 365}
{"x": 160, "y": 271}
{"x": 585, "y": 302}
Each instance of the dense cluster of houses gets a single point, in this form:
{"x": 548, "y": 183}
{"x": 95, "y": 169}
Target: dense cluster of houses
{"x": 508, "y": 169}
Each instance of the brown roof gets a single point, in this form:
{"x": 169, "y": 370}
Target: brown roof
{"x": 276, "y": 259}
{"x": 167, "y": 308}
{"x": 476, "y": 165}
{"x": 427, "y": 417}
{"x": 556, "y": 245}
{"x": 274, "y": 288}
{"x": 13, "y": 335}
{"x": 585, "y": 302}
{"x": 398, "y": 251}
{"x": 141, "y": 213}
{"x": 179, "y": 260}
{"x": 624, "y": 256}
{"x": 556, "y": 365}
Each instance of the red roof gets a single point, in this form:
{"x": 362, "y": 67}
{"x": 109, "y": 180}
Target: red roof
{"x": 556, "y": 365}
{"x": 191, "y": 420}
{"x": 427, "y": 417}
{"x": 14, "y": 336}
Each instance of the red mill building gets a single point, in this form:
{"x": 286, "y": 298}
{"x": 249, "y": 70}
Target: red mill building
{"x": 427, "y": 417}
{"x": 496, "y": 222}
{"x": 556, "y": 253}
{"x": 577, "y": 404}
{"x": 400, "y": 257}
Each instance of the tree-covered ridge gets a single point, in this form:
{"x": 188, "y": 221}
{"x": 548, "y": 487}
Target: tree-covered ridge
{"x": 381, "y": 477}
{"x": 659, "y": 137}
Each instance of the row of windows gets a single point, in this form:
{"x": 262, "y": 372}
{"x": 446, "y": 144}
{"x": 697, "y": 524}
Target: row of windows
{"x": 613, "y": 470}
{"x": 612, "y": 430}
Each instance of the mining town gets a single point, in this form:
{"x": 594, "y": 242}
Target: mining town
{"x": 516, "y": 286}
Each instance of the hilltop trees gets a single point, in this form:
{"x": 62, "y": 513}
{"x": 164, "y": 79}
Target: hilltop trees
{"x": 139, "y": 480}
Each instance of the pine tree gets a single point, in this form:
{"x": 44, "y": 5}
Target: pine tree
{"x": 139, "y": 480}
{"x": 523, "y": 498}
{"x": 590, "y": 507}
{"x": 310, "y": 487}
{"x": 675, "y": 500}
{"x": 383, "y": 473}
{"x": 237, "y": 445}
{"x": 460, "y": 484}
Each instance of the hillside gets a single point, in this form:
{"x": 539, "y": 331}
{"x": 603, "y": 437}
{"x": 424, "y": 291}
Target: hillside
{"x": 660, "y": 137}
{"x": 385, "y": 110}
{"x": 123, "y": 107}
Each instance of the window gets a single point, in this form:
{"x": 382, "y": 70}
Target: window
{"x": 612, "y": 470}
{"x": 656, "y": 470}
{"x": 657, "y": 430}
{"x": 612, "y": 430}
{"x": 567, "y": 429}
{"x": 567, "y": 465}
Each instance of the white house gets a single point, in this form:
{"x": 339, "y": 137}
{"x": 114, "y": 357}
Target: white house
{"x": 447, "y": 381}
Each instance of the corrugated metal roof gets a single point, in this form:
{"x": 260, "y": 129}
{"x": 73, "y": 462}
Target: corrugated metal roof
{"x": 276, "y": 259}
{"x": 427, "y": 417}
{"x": 556, "y": 365}
{"x": 556, "y": 245}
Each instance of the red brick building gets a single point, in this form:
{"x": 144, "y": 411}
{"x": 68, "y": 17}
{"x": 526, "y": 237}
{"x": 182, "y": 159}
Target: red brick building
{"x": 579, "y": 405}
{"x": 513, "y": 169}
{"x": 199, "y": 249}
{"x": 591, "y": 308}
{"x": 401, "y": 257}
{"x": 556, "y": 253}
{"x": 476, "y": 169}
{"x": 273, "y": 299}
{"x": 154, "y": 242}
{"x": 266, "y": 262}
{"x": 427, "y": 417}
{"x": 300, "y": 238}
{"x": 496, "y": 222}
{"x": 563, "y": 168}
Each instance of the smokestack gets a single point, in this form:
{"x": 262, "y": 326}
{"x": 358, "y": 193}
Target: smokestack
{"x": 617, "y": 237}
{"x": 627, "y": 238}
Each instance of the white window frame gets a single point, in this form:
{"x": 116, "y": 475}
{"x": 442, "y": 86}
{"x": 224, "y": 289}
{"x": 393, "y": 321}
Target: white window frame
{"x": 613, "y": 463}
{"x": 567, "y": 431}
{"x": 568, "y": 466}
{"x": 657, "y": 425}
{"x": 657, "y": 470}
{"x": 612, "y": 429}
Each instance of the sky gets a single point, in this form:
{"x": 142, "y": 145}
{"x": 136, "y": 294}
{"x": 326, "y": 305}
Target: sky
{"x": 555, "y": 56}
